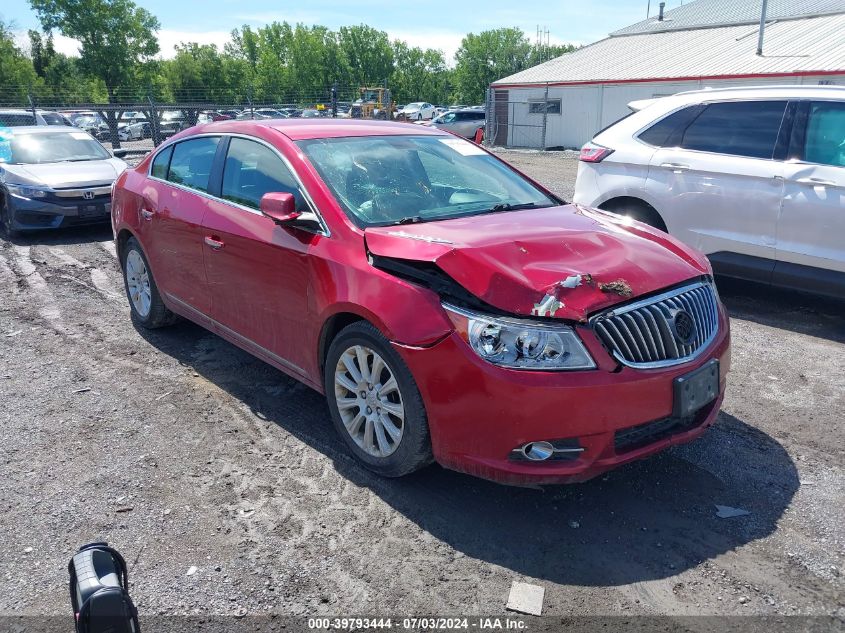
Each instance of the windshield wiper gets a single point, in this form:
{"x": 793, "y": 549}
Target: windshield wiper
{"x": 411, "y": 219}
{"x": 507, "y": 206}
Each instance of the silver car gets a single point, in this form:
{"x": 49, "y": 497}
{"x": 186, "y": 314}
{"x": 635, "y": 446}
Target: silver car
{"x": 52, "y": 177}
{"x": 462, "y": 122}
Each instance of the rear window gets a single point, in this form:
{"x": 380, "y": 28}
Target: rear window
{"x": 740, "y": 128}
{"x": 191, "y": 162}
{"x": 664, "y": 133}
{"x": 16, "y": 119}
{"x": 160, "y": 163}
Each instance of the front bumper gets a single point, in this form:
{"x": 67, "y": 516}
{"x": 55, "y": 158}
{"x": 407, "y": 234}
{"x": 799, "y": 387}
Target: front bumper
{"x": 27, "y": 214}
{"x": 478, "y": 412}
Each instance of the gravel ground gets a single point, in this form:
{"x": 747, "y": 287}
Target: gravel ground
{"x": 183, "y": 451}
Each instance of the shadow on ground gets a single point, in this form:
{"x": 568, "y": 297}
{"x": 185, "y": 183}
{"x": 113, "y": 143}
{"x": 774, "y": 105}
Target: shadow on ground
{"x": 795, "y": 311}
{"x": 648, "y": 520}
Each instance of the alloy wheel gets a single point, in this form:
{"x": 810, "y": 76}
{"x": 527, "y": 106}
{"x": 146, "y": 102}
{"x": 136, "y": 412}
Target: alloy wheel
{"x": 138, "y": 283}
{"x": 369, "y": 401}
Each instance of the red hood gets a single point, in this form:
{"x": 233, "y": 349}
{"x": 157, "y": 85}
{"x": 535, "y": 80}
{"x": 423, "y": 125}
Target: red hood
{"x": 566, "y": 262}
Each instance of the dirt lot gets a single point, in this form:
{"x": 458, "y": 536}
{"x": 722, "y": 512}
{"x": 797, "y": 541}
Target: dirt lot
{"x": 183, "y": 451}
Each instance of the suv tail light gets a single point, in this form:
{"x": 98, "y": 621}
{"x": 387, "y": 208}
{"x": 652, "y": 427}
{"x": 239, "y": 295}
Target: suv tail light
{"x": 593, "y": 153}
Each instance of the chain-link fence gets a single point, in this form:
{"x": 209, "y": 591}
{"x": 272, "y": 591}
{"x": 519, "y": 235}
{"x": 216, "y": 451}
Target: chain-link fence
{"x": 139, "y": 122}
{"x": 519, "y": 121}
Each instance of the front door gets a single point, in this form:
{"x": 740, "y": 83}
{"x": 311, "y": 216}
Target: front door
{"x": 811, "y": 232}
{"x": 257, "y": 271}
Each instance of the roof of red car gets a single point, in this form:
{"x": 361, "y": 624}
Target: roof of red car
{"x": 299, "y": 129}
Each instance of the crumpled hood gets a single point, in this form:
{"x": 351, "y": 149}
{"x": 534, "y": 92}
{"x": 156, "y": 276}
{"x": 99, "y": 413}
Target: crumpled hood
{"x": 566, "y": 262}
{"x": 66, "y": 175}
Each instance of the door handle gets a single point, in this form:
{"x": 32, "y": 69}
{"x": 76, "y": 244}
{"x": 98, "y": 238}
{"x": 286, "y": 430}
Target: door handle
{"x": 147, "y": 214}
{"x": 213, "y": 243}
{"x": 676, "y": 167}
{"x": 817, "y": 181}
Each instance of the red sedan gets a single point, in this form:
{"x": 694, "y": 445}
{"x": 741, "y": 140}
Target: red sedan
{"x": 450, "y": 308}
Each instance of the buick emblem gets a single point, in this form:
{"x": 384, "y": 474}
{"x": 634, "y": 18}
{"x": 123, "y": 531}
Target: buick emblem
{"x": 88, "y": 195}
{"x": 683, "y": 327}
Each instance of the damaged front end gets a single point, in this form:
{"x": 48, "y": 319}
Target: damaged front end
{"x": 563, "y": 263}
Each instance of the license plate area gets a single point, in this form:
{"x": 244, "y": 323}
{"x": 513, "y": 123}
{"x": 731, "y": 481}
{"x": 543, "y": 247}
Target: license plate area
{"x": 695, "y": 389}
{"x": 92, "y": 210}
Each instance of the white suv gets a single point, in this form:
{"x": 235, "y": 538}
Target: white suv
{"x": 753, "y": 177}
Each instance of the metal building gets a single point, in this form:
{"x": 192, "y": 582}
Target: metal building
{"x": 565, "y": 101}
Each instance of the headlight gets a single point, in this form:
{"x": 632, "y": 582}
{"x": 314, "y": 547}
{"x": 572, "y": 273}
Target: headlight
{"x": 24, "y": 191}
{"x": 521, "y": 344}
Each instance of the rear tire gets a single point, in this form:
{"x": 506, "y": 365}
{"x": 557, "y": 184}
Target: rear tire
{"x": 637, "y": 210}
{"x": 378, "y": 412}
{"x": 145, "y": 303}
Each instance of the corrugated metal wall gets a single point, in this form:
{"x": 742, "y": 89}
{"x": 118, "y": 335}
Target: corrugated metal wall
{"x": 587, "y": 109}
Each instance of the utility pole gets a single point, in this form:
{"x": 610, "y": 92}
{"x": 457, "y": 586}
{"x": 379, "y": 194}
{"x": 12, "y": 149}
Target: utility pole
{"x": 762, "y": 28}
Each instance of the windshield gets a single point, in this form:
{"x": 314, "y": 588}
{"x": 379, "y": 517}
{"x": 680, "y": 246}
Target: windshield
{"x": 52, "y": 147}
{"x": 382, "y": 180}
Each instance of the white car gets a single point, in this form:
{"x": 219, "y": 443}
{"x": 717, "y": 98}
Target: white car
{"x": 418, "y": 111}
{"x": 753, "y": 177}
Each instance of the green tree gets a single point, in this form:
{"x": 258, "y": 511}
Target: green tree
{"x": 488, "y": 56}
{"x": 419, "y": 75}
{"x": 116, "y": 36}
{"x": 17, "y": 74}
{"x": 367, "y": 54}
{"x": 41, "y": 52}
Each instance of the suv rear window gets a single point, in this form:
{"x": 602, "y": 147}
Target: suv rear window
{"x": 738, "y": 128}
{"x": 665, "y": 133}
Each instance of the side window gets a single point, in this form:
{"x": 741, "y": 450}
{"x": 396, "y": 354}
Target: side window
{"x": 825, "y": 138}
{"x": 741, "y": 128}
{"x": 160, "y": 163}
{"x": 51, "y": 118}
{"x": 253, "y": 169}
{"x": 191, "y": 162}
{"x": 665, "y": 132}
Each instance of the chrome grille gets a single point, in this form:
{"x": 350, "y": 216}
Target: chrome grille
{"x": 644, "y": 334}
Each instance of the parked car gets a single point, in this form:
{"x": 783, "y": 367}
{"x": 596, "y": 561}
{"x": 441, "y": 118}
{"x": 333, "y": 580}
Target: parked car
{"x": 753, "y": 177}
{"x": 271, "y": 113}
{"x": 18, "y": 117}
{"x": 417, "y": 111}
{"x": 52, "y": 177}
{"x": 54, "y": 118}
{"x": 462, "y": 122}
{"x": 135, "y": 131}
{"x": 172, "y": 122}
{"x": 450, "y": 308}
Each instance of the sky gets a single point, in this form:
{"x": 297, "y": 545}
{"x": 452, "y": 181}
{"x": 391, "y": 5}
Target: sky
{"x": 433, "y": 24}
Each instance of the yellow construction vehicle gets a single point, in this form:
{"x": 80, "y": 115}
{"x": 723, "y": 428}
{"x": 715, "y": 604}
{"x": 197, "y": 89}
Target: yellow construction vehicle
{"x": 374, "y": 103}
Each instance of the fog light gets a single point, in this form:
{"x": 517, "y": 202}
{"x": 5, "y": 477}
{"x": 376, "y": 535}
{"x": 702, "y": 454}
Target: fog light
{"x": 538, "y": 451}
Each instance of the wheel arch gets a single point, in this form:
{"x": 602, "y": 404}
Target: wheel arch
{"x": 332, "y": 326}
{"x": 620, "y": 202}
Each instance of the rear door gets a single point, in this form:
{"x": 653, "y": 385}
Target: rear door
{"x": 174, "y": 203}
{"x": 721, "y": 186}
{"x": 811, "y": 232}
{"x": 257, "y": 271}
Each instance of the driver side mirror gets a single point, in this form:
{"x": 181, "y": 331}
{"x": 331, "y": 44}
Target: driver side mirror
{"x": 279, "y": 207}
{"x": 119, "y": 153}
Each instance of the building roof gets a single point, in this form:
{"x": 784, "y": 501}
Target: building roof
{"x": 710, "y": 13}
{"x": 792, "y": 47}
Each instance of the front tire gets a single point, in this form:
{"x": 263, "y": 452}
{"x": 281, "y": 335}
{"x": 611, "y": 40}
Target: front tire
{"x": 374, "y": 402}
{"x": 6, "y": 221}
{"x": 145, "y": 303}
